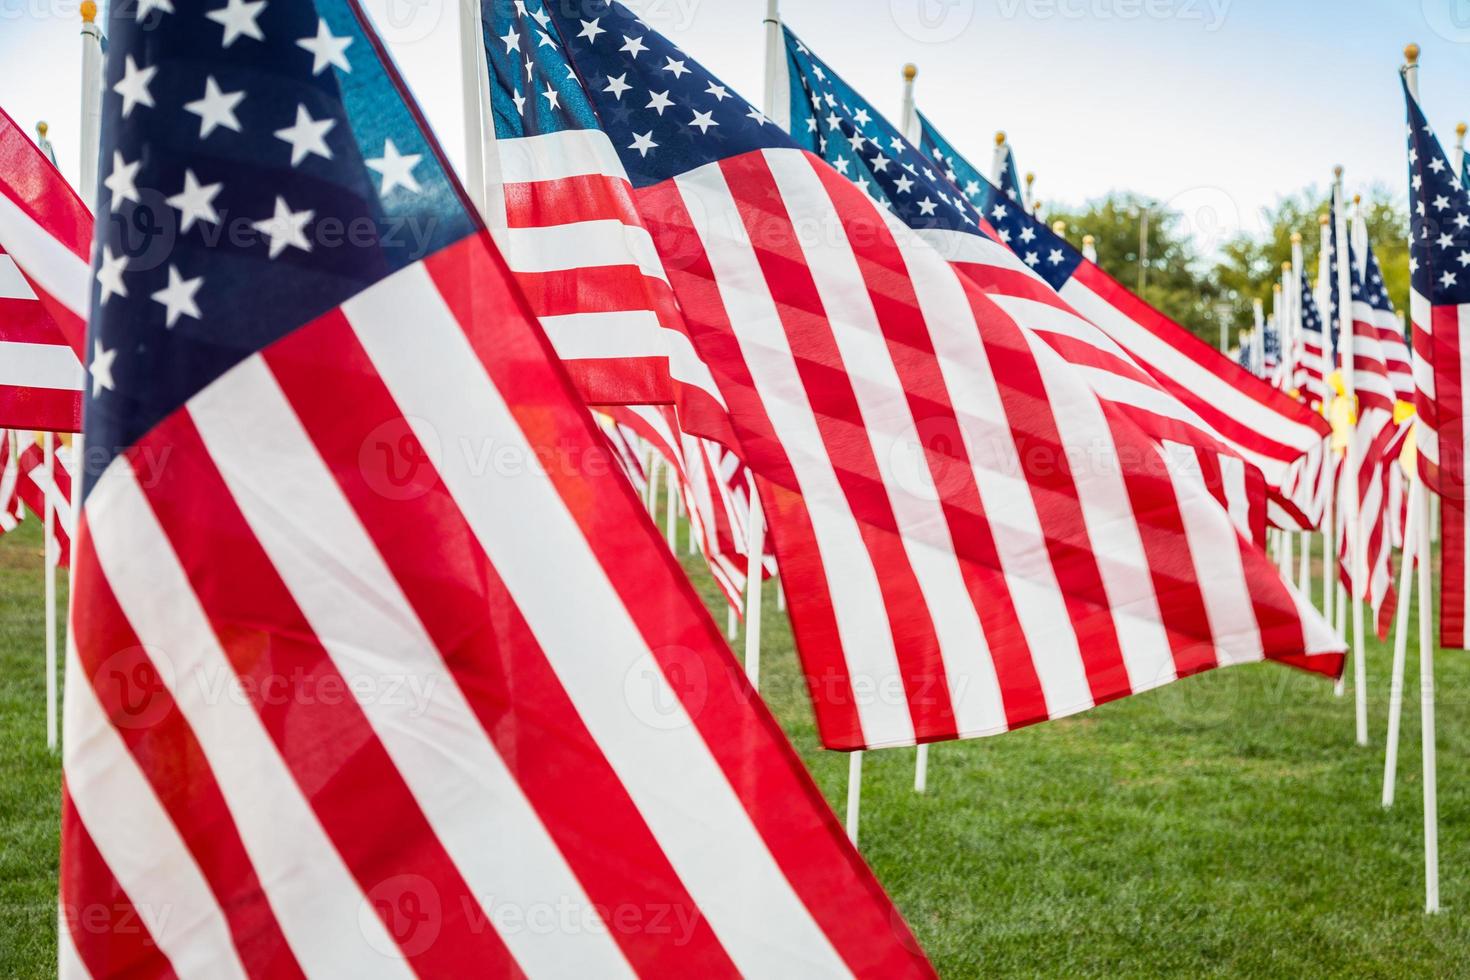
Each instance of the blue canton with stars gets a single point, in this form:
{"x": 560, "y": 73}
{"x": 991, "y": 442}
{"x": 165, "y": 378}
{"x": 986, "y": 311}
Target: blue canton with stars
{"x": 1048, "y": 253}
{"x": 1439, "y": 217}
{"x": 260, "y": 167}
{"x": 1368, "y": 284}
{"x": 831, "y": 120}
{"x": 1010, "y": 177}
{"x": 664, "y": 113}
{"x": 1311, "y": 316}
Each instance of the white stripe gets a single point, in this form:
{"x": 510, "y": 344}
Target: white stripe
{"x": 1163, "y": 357}
{"x": 138, "y": 839}
{"x": 583, "y": 245}
{"x": 48, "y": 263}
{"x": 53, "y": 366}
{"x": 1232, "y": 475}
{"x": 897, "y": 446}
{"x": 13, "y": 285}
{"x": 857, "y": 599}
{"x": 69, "y": 965}
{"x": 557, "y": 156}
{"x": 593, "y": 644}
{"x": 634, "y": 333}
{"x": 314, "y": 896}
{"x": 375, "y": 639}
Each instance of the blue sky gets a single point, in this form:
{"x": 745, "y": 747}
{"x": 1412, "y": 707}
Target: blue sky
{"x": 1217, "y": 106}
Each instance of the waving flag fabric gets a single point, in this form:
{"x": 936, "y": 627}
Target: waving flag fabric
{"x": 936, "y": 539}
{"x": 1266, "y": 426}
{"x": 562, "y": 208}
{"x": 832, "y": 120}
{"x": 1314, "y": 362}
{"x": 376, "y": 658}
{"x": 1439, "y": 306}
{"x": 11, "y": 509}
{"x": 45, "y": 244}
{"x": 1010, "y": 175}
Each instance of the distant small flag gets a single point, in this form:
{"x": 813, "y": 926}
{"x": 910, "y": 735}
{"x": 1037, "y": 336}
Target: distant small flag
{"x": 36, "y": 487}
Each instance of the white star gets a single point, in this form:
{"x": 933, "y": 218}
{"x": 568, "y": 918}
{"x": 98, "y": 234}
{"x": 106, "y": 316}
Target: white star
{"x": 1445, "y": 241}
{"x": 896, "y": 144}
{"x": 134, "y": 86}
{"x": 178, "y": 298}
{"x": 904, "y": 185}
{"x": 1005, "y": 235}
{"x": 195, "y": 202}
{"x": 146, "y": 7}
{"x": 821, "y": 75}
{"x": 1448, "y": 279}
{"x": 718, "y": 91}
{"x": 101, "y": 367}
{"x": 326, "y": 50}
{"x": 999, "y": 212}
{"x": 757, "y": 115}
{"x": 633, "y": 45}
{"x": 842, "y": 165}
{"x": 1055, "y": 256}
{"x": 880, "y": 164}
{"x": 541, "y": 17}
{"x": 552, "y": 96}
{"x": 1464, "y": 259}
{"x": 856, "y": 141}
{"x": 927, "y": 206}
{"x": 677, "y": 67}
{"x": 110, "y": 276}
{"x": 643, "y": 143}
{"x": 811, "y": 124}
{"x": 238, "y": 18}
{"x": 861, "y": 117}
{"x": 286, "y": 228}
{"x": 520, "y": 101}
{"x": 1462, "y": 220}
{"x": 512, "y": 41}
{"x": 1441, "y": 202}
{"x": 590, "y": 30}
{"x": 617, "y": 86}
{"x": 215, "y": 108}
{"x": 396, "y": 169}
{"x": 704, "y": 120}
{"x": 544, "y": 41}
{"x": 1436, "y": 165}
{"x": 833, "y": 121}
{"x": 972, "y": 188}
{"x": 307, "y": 136}
{"x": 1028, "y": 235}
{"x": 121, "y": 182}
{"x": 1031, "y": 258}
{"x": 659, "y": 101}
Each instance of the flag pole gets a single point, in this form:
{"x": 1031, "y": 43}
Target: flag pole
{"x": 1027, "y": 193}
{"x": 998, "y": 159}
{"x": 48, "y": 509}
{"x": 1329, "y": 515}
{"x": 755, "y": 567}
{"x": 91, "y": 134}
{"x": 471, "y": 56}
{"x": 1401, "y": 628}
{"x": 1426, "y": 642}
{"x": 854, "y": 793}
{"x": 1356, "y": 558}
{"x": 908, "y": 119}
{"x": 1089, "y": 248}
{"x": 671, "y": 510}
{"x": 1459, "y": 161}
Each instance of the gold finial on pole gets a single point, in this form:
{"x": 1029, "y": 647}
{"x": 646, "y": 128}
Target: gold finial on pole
{"x": 1000, "y": 137}
{"x": 1323, "y": 220}
{"x": 1059, "y": 227}
{"x": 89, "y": 11}
{"x": 42, "y": 129}
{"x": 1460, "y": 130}
{"x": 1296, "y": 238}
{"x": 1089, "y": 240}
{"x": 1286, "y": 267}
{"x": 1411, "y": 54}
{"x": 910, "y": 72}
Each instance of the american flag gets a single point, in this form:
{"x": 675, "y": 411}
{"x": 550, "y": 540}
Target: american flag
{"x": 562, "y": 209}
{"x": 376, "y": 659}
{"x": 628, "y": 446}
{"x": 1265, "y": 426}
{"x": 940, "y": 547}
{"x": 1439, "y": 307}
{"x": 1009, "y": 174}
{"x": 36, "y": 486}
{"x": 1270, "y": 349}
{"x": 45, "y": 245}
{"x": 1315, "y": 357}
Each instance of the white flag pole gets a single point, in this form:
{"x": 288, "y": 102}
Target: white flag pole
{"x": 1329, "y": 516}
{"x": 908, "y": 119}
{"x": 754, "y": 569}
{"x": 91, "y": 132}
{"x": 473, "y": 84}
{"x": 1401, "y": 633}
{"x": 998, "y": 159}
{"x": 1289, "y": 346}
{"x": 1459, "y": 161}
{"x": 671, "y": 510}
{"x": 854, "y": 794}
{"x": 777, "y": 104}
{"x": 48, "y": 508}
{"x": 1089, "y": 248}
{"x": 1027, "y": 192}
{"x": 1426, "y": 642}
{"x": 1356, "y": 557}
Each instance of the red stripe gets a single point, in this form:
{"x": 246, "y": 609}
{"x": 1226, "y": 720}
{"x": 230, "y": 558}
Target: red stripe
{"x": 804, "y": 837}
{"x": 25, "y": 321}
{"x": 143, "y": 713}
{"x": 491, "y": 652}
{"x": 327, "y": 742}
{"x": 41, "y": 409}
{"x": 111, "y": 937}
{"x": 1452, "y": 551}
{"x": 589, "y": 197}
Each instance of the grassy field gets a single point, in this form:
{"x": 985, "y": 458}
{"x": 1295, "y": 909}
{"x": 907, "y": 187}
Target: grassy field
{"x": 1225, "y": 825}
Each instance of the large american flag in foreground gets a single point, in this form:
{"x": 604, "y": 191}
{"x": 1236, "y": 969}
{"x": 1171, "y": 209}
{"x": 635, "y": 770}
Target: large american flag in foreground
{"x": 45, "y": 244}
{"x": 969, "y": 542}
{"x": 378, "y": 668}
{"x": 1439, "y": 306}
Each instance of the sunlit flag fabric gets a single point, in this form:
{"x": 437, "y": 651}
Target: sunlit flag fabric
{"x": 832, "y": 120}
{"x": 35, "y": 486}
{"x": 362, "y": 683}
{"x": 1439, "y": 307}
{"x": 1280, "y": 435}
{"x": 939, "y": 587}
{"x": 11, "y": 510}
{"x": 561, "y": 206}
{"x": 45, "y": 244}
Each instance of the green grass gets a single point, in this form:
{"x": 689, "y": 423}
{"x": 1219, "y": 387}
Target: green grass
{"x": 1225, "y": 825}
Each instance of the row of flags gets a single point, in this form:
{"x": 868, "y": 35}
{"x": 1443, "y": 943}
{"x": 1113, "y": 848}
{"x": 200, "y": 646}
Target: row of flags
{"x": 1000, "y": 488}
{"x": 26, "y": 483}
